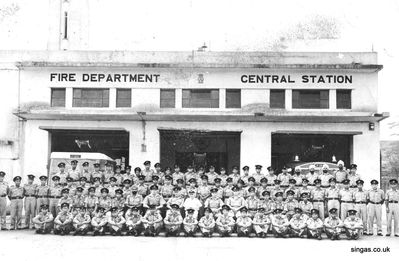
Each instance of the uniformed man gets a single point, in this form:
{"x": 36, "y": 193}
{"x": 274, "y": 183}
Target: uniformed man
{"x": 375, "y": 201}
{"x": 84, "y": 184}
{"x": 218, "y": 186}
{"x": 194, "y": 203}
{"x": 314, "y": 224}
{"x": 158, "y": 173}
{"x": 154, "y": 198}
{"x": 108, "y": 173}
{"x": 190, "y": 223}
{"x": 74, "y": 173}
{"x": 312, "y": 175}
{"x": 16, "y": 195}
{"x": 318, "y": 197}
{"x": 173, "y": 221}
{"x": 346, "y": 198}
{"x": 284, "y": 177}
{"x": 207, "y": 223}
{"x": 353, "y": 225}
{"x": 223, "y": 177}
{"x": 290, "y": 204}
{"x": 278, "y": 201}
{"x": 280, "y": 223}
{"x": 142, "y": 188}
{"x": 62, "y": 174}
{"x": 119, "y": 202}
{"x": 235, "y": 202}
{"x": 135, "y": 200}
{"x": 166, "y": 190}
{"x": 244, "y": 223}
{"x": 325, "y": 177}
{"x": 43, "y": 221}
{"x": 305, "y": 204}
{"x": 182, "y": 192}
{"x": 71, "y": 186}
{"x": 235, "y": 175}
{"x": 81, "y": 222}
{"x": 353, "y": 177}
{"x": 177, "y": 174}
{"x": 99, "y": 222}
{"x": 258, "y": 175}
{"x": 116, "y": 222}
{"x": 204, "y": 190}
{"x": 341, "y": 174}
{"x": 292, "y": 187}
{"x": 298, "y": 223}
{"x": 225, "y": 223}
{"x": 270, "y": 176}
{"x": 297, "y": 177}
{"x": 118, "y": 175}
{"x": 250, "y": 185}
{"x": 360, "y": 202}
{"x": 96, "y": 173}
{"x": 332, "y": 196}
{"x": 266, "y": 203}
{"x": 54, "y": 195}
{"x": 176, "y": 199}
{"x": 63, "y": 221}
{"x": 78, "y": 200}
{"x": 392, "y": 208}
{"x": 333, "y": 225}
{"x": 192, "y": 186}
{"x": 112, "y": 186}
{"x": 191, "y": 174}
{"x": 261, "y": 188}
{"x": 245, "y": 176}
{"x": 105, "y": 201}
{"x": 30, "y": 191}
{"x": 91, "y": 201}
{"x": 65, "y": 198}
{"x": 134, "y": 221}
{"x": 228, "y": 189}
{"x": 212, "y": 175}
{"x": 4, "y": 191}
{"x": 152, "y": 221}
{"x": 276, "y": 188}
{"x": 252, "y": 202}
{"x": 85, "y": 172}
{"x": 147, "y": 172}
{"x": 214, "y": 202}
{"x": 305, "y": 187}
{"x": 261, "y": 223}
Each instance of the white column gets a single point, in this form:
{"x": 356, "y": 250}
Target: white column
{"x": 255, "y": 146}
{"x": 222, "y": 98}
{"x": 288, "y": 99}
{"x": 112, "y": 98}
{"x": 179, "y": 98}
{"x": 333, "y": 99}
{"x": 68, "y": 97}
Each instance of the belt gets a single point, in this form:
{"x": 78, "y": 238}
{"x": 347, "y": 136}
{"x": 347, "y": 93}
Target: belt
{"x": 27, "y": 196}
{"x": 42, "y": 196}
{"x": 318, "y": 200}
{"x": 16, "y": 198}
{"x": 284, "y": 186}
{"x": 54, "y": 196}
{"x": 269, "y": 185}
{"x": 252, "y": 209}
{"x": 298, "y": 185}
{"x": 338, "y": 182}
{"x": 361, "y": 202}
{"x": 353, "y": 186}
{"x": 325, "y": 186}
{"x": 393, "y": 201}
{"x": 333, "y": 198}
{"x": 3, "y": 196}
{"x": 345, "y": 201}
{"x": 375, "y": 203}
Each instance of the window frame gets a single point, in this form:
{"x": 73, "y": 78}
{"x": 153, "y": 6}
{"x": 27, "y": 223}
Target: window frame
{"x": 283, "y": 91}
{"x": 163, "y": 102}
{"x": 350, "y": 99}
{"x": 187, "y": 102}
{"x": 122, "y": 99}
{"x": 234, "y": 105}
{"x": 322, "y": 92}
{"x": 105, "y": 103}
{"x": 58, "y": 99}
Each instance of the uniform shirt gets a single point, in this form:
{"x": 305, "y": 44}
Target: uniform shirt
{"x": 376, "y": 196}
{"x": 212, "y": 177}
{"x": 298, "y": 220}
{"x": 204, "y": 192}
{"x": 278, "y": 204}
{"x": 104, "y": 202}
{"x": 304, "y": 190}
{"x": 111, "y": 191}
{"x": 166, "y": 191}
{"x": 176, "y": 200}
{"x": 16, "y": 191}
{"x": 43, "y": 217}
{"x": 284, "y": 178}
{"x": 261, "y": 219}
{"x": 235, "y": 177}
{"x": 193, "y": 203}
{"x": 97, "y": 191}
{"x": 55, "y": 191}
{"x": 74, "y": 173}
{"x": 306, "y": 207}
{"x": 219, "y": 193}
{"x": 214, "y": 203}
{"x": 30, "y": 190}
{"x": 63, "y": 217}
{"x": 392, "y": 195}
{"x": 296, "y": 192}
{"x": 223, "y": 180}
{"x": 68, "y": 200}
{"x": 191, "y": 175}
{"x": 244, "y": 221}
{"x": 207, "y": 221}
{"x": 78, "y": 201}
{"x": 252, "y": 203}
{"x": 152, "y": 217}
{"x": 134, "y": 200}
{"x": 228, "y": 191}
{"x": 107, "y": 175}
{"x": 346, "y": 195}
{"x": 333, "y": 222}
{"x": 116, "y": 220}
{"x": 142, "y": 189}
{"x": 147, "y": 175}
{"x": 173, "y": 217}
{"x": 314, "y": 223}
{"x": 279, "y": 220}
{"x": 133, "y": 218}
{"x": 119, "y": 179}
{"x": 260, "y": 190}
{"x": 3, "y": 188}
{"x": 225, "y": 220}
{"x": 245, "y": 179}
{"x": 194, "y": 189}
{"x": 236, "y": 202}
{"x": 353, "y": 223}
{"x": 156, "y": 200}
{"x": 98, "y": 220}
{"x": 352, "y": 179}
{"x": 79, "y": 218}
{"x": 267, "y": 204}
{"x": 298, "y": 179}
{"x": 290, "y": 206}
{"x": 42, "y": 190}
{"x": 91, "y": 201}
{"x": 62, "y": 176}
{"x": 258, "y": 177}
{"x": 340, "y": 175}
{"x": 275, "y": 190}
{"x": 87, "y": 175}
{"x": 325, "y": 179}
{"x": 360, "y": 196}
{"x": 97, "y": 174}
{"x": 332, "y": 192}
{"x": 119, "y": 203}
{"x": 318, "y": 194}
{"x": 270, "y": 179}
{"x": 312, "y": 177}
{"x": 176, "y": 176}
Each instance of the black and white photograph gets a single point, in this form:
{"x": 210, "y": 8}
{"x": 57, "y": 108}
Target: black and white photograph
{"x": 199, "y": 130}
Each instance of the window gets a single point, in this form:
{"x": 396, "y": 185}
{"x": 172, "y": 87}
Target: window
{"x": 344, "y": 99}
{"x": 90, "y": 98}
{"x": 233, "y": 98}
{"x": 202, "y": 98}
{"x": 123, "y": 97}
{"x": 168, "y": 99}
{"x": 277, "y": 99}
{"x": 57, "y": 97}
{"x": 310, "y": 99}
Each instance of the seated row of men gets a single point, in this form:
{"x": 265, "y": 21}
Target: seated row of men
{"x": 132, "y": 222}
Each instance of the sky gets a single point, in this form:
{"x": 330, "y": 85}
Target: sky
{"x": 224, "y": 25}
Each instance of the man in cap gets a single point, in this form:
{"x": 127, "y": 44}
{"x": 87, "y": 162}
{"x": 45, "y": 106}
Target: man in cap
{"x": 278, "y": 201}
{"x": 341, "y": 174}
{"x": 83, "y": 183}
{"x": 284, "y": 177}
{"x": 261, "y": 223}
{"x": 118, "y": 175}
{"x": 318, "y": 197}
{"x": 266, "y": 202}
{"x": 78, "y": 200}
{"x": 173, "y": 221}
{"x": 235, "y": 202}
{"x": 97, "y": 173}
{"x": 16, "y": 195}
{"x": 353, "y": 176}
{"x": 292, "y": 187}
{"x": 312, "y": 175}
{"x": 42, "y": 193}
{"x": 134, "y": 221}
{"x": 375, "y": 200}
{"x": 154, "y": 198}
{"x": 298, "y": 223}
{"x": 261, "y": 188}
{"x": 228, "y": 189}
{"x": 314, "y": 225}
{"x": 4, "y": 190}
{"x": 244, "y": 223}
{"x": 353, "y": 225}
{"x": 270, "y": 176}
{"x": 104, "y": 200}
{"x": 142, "y": 188}
{"x": 152, "y": 221}
{"x": 65, "y": 198}
{"x": 91, "y": 201}
{"x": 99, "y": 222}
{"x": 194, "y": 203}
{"x": 74, "y": 173}
{"x": 62, "y": 174}
{"x": 71, "y": 186}
{"x": 235, "y": 175}
{"x": 119, "y": 201}
{"x": 30, "y": 191}
{"x": 207, "y": 223}
{"x": 333, "y": 225}
{"x": 258, "y": 175}
{"x": 176, "y": 199}
{"x": 81, "y": 222}
{"x": 134, "y": 200}
{"x": 158, "y": 173}
{"x": 192, "y": 186}
{"x": 54, "y": 195}
{"x": 214, "y": 202}
{"x": 297, "y": 177}
{"x": 225, "y": 223}
{"x": 250, "y": 185}
{"x": 190, "y": 223}
{"x": 346, "y": 198}
{"x": 147, "y": 172}
{"x": 305, "y": 204}
{"x": 191, "y": 174}
{"x": 252, "y": 202}
{"x": 218, "y": 186}
{"x": 245, "y": 175}
{"x": 212, "y": 175}
{"x": 177, "y": 174}
{"x": 223, "y": 177}
{"x": 43, "y": 221}
{"x": 280, "y": 223}
{"x": 332, "y": 196}
{"x": 63, "y": 221}
{"x": 290, "y": 204}
{"x": 108, "y": 173}
{"x": 360, "y": 198}
{"x": 183, "y": 191}
{"x": 204, "y": 190}
{"x": 276, "y": 188}
{"x": 112, "y": 186}
{"x": 392, "y": 207}
{"x": 116, "y": 222}
{"x": 166, "y": 190}
{"x": 85, "y": 172}
{"x": 305, "y": 187}
{"x": 325, "y": 177}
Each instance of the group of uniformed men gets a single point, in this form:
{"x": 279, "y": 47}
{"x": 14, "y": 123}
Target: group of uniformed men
{"x": 147, "y": 201}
